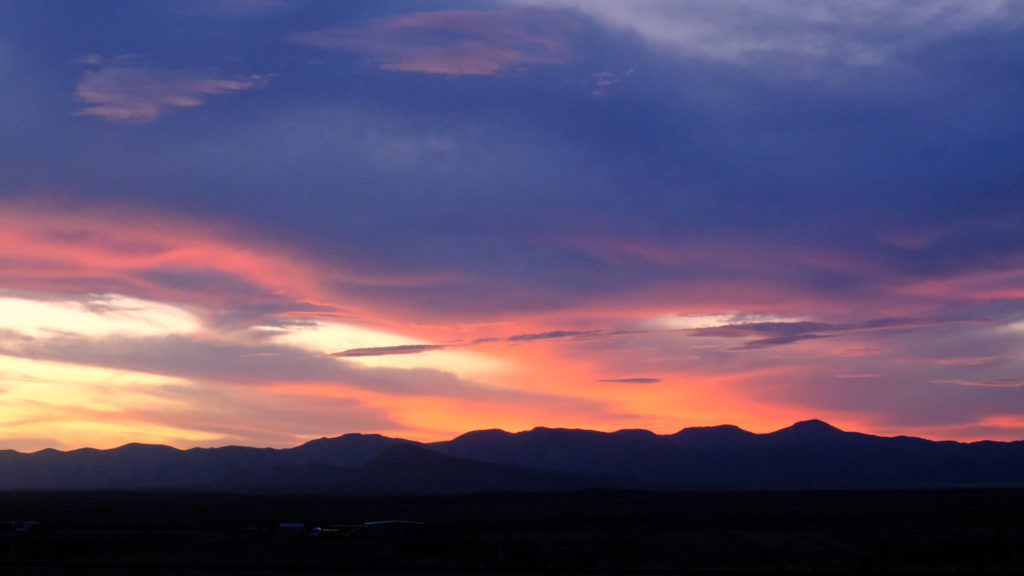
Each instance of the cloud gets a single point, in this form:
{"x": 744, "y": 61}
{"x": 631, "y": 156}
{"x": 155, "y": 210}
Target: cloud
{"x": 768, "y": 334}
{"x": 261, "y": 365}
{"x": 758, "y": 329}
{"x": 92, "y": 315}
{"x": 630, "y": 380}
{"x": 851, "y": 33}
{"x": 779, "y": 341}
{"x": 603, "y": 81}
{"x": 228, "y": 281}
{"x": 966, "y": 361}
{"x": 549, "y": 335}
{"x": 454, "y": 42}
{"x": 897, "y": 385}
{"x": 994, "y": 383}
{"x": 388, "y": 350}
{"x": 552, "y": 335}
{"x": 141, "y": 95}
{"x": 420, "y": 348}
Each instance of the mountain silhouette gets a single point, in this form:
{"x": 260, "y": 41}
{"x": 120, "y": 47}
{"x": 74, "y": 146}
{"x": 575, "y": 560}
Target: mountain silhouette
{"x": 806, "y": 455}
{"x": 409, "y": 469}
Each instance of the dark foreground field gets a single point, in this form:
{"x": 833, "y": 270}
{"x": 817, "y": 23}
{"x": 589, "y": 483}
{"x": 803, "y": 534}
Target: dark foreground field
{"x": 591, "y": 532}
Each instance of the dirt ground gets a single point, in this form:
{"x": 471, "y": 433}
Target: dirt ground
{"x": 580, "y": 533}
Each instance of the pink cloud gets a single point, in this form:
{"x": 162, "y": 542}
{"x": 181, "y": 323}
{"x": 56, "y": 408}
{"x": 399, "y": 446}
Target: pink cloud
{"x": 972, "y": 287}
{"x": 160, "y": 258}
{"x": 967, "y": 361}
{"x": 993, "y": 383}
{"x": 455, "y": 42}
{"x": 140, "y": 95}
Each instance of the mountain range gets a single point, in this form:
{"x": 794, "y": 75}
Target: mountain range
{"x": 811, "y": 455}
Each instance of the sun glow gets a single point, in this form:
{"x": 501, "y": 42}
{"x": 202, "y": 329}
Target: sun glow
{"x": 336, "y": 337}
{"x": 73, "y": 401}
{"x": 95, "y": 315}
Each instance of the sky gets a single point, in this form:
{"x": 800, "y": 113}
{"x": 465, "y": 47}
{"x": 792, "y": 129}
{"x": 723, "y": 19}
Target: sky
{"x": 261, "y": 222}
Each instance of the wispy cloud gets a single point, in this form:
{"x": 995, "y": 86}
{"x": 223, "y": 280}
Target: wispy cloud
{"x": 768, "y": 334}
{"x": 630, "y": 380}
{"x": 991, "y": 383}
{"x": 421, "y": 348}
{"x": 966, "y": 361}
{"x": 852, "y": 33}
{"x": 552, "y": 335}
{"x": 454, "y": 42}
{"x": 229, "y": 283}
{"x": 603, "y": 81}
{"x": 139, "y": 95}
{"x": 388, "y": 350}
{"x": 254, "y": 365}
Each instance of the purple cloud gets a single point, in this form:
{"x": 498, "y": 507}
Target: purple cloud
{"x": 454, "y": 42}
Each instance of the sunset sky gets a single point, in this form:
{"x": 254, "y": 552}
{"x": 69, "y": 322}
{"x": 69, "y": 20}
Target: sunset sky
{"x": 265, "y": 221}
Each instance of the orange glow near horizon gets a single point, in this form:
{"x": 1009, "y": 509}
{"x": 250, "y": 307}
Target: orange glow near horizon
{"x": 96, "y": 277}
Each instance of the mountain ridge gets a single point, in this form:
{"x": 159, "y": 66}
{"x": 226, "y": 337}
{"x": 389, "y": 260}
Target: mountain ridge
{"x": 811, "y": 454}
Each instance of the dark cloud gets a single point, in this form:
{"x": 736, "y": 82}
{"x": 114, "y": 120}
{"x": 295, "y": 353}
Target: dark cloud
{"x": 553, "y": 335}
{"x": 766, "y": 329}
{"x": 556, "y": 335}
{"x": 768, "y": 334}
{"x": 780, "y": 341}
{"x": 288, "y": 323}
{"x": 419, "y": 348}
{"x": 631, "y": 380}
{"x": 388, "y": 350}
